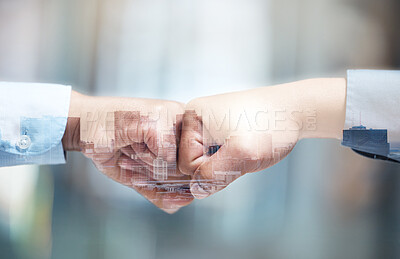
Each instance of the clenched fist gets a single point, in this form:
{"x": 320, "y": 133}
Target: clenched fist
{"x": 226, "y": 136}
{"x": 134, "y": 142}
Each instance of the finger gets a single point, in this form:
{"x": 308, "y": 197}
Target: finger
{"x": 174, "y": 192}
{"x": 238, "y": 156}
{"x": 191, "y": 144}
{"x": 158, "y": 146}
{"x": 159, "y": 140}
{"x": 133, "y": 127}
{"x": 148, "y": 138}
{"x": 127, "y": 128}
{"x": 168, "y": 196}
{"x": 139, "y": 151}
{"x": 136, "y": 165}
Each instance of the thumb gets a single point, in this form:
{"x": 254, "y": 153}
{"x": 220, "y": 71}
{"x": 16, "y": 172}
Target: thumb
{"x": 238, "y": 156}
{"x": 191, "y": 148}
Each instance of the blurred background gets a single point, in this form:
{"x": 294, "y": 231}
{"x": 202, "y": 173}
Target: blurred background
{"x": 323, "y": 201}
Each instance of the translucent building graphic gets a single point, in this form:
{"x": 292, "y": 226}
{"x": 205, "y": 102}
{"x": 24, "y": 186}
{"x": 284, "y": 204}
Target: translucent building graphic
{"x": 160, "y": 169}
{"x": 373, "y": 141}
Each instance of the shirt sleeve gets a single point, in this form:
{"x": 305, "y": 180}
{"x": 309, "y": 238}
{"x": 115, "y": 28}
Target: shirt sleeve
{"x": 33, "y": 118}
{"x": 372, "y": 126}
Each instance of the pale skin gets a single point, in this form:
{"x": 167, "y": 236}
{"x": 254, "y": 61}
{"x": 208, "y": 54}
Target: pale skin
{"x": 123, "y": 137}
{"x": 253, "y": 130}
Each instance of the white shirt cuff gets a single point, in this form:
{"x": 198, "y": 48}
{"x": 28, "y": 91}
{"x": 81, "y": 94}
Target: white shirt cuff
{"x": 33, "y": 118}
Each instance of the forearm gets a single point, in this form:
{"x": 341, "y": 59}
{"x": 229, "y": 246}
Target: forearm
{"x": 316, "y": 108}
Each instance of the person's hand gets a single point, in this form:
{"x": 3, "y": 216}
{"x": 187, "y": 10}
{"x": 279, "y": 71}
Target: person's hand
{"x": 226, "y": 136}
{"x": 134, "y": 142}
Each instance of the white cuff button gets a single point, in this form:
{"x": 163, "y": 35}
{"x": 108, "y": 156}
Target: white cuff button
{"x": 24, "y": 143}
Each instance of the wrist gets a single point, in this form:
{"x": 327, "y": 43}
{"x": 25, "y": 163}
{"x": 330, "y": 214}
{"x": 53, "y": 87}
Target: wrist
{"x": 325, "y": 101}
{"x": 71, "y": 139}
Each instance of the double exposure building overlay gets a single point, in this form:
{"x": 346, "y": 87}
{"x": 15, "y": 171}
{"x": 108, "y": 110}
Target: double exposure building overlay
{"x": 372, "y": 143}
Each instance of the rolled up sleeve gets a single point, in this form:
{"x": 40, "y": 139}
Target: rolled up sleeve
{"x": 33, "y": 118}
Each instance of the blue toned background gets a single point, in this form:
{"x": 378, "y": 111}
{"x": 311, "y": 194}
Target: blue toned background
{"x": 323, "y": 201}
